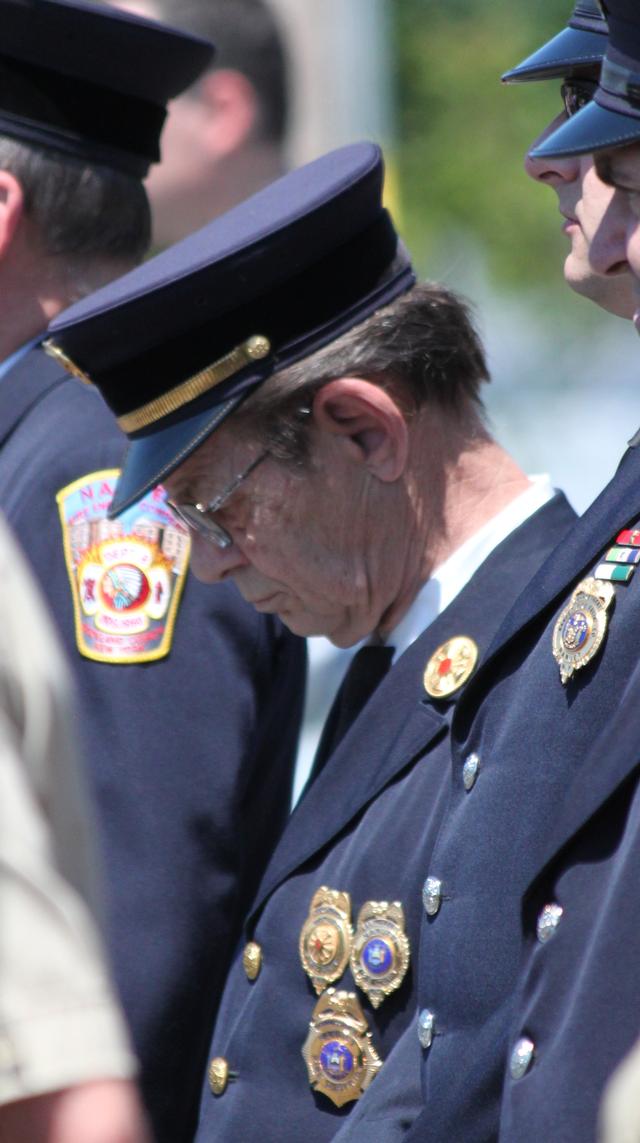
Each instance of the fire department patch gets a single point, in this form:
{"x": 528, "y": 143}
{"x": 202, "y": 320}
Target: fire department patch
{"x": 126, "y": 574}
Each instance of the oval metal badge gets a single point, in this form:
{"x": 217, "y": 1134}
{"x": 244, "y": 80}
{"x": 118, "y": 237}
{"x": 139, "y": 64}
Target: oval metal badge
{"x": 581, "y": 626}
{"x": 380, "y": 954}
{"x": 325, "y": 938}
{"x": 338, "y": 1051}
{"x": 450, "y": 666}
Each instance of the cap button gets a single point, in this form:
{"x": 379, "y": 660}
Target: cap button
{"x": 257, "y": 347}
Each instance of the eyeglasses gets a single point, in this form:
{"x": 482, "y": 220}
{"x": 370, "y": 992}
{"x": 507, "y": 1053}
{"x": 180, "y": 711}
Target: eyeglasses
{"x": 576, "y": 93}
{"x": 199, "y": 517}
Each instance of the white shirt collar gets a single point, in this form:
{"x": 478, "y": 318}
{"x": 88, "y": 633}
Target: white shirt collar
{"x": 449, "y": 579}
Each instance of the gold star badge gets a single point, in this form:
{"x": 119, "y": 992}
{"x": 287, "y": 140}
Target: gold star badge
{"x": 338, "y": 1051}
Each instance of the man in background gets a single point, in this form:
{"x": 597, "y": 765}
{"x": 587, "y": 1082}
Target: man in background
{"x": 188, "y": 811}
{"x": 225, "y": 136}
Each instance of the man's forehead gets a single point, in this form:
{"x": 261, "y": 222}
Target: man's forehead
{"x": 620, "y": 167}
{"x": 205, "y": 461}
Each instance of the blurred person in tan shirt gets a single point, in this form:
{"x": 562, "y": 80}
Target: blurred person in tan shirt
{"x": 65, "y": 1060}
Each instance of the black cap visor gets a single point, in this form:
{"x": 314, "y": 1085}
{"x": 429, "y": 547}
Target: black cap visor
{"x": 594, "y": 128}
{"x": 572, "y": 50}
{"x": 150, "y": 458}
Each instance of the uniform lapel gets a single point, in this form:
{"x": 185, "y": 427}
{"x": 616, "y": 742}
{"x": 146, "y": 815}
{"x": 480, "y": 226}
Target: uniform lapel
{"x": 613, "y": 758}
{"x": 616, "y": 507}
{"x": 24, "y": 386}
{"x": 400, "y": 723}
{"x": 379, "y": 744}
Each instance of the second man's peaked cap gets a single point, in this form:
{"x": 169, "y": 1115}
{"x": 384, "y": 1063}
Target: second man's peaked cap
{"x": 91, "y": 82}
{"x": 577, "y": 48}
{"x": 178, "y": 343}
{"x": 612, "y": 118}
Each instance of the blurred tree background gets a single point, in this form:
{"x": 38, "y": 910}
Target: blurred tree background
{"x": 461, "y": 134}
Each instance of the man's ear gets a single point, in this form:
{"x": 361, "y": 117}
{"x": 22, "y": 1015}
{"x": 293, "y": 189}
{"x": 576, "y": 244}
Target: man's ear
{"x": 369, "y": 419}
{"x": 231, "y": 102}
{"x": 11, "y": 209}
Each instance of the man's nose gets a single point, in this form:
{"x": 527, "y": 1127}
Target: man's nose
{"x": 210, "y": 563}
{"x": 551, "y": 171}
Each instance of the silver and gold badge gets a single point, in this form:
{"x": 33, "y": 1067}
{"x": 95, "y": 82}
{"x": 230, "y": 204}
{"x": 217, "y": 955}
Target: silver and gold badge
{"x": 581, "y": 626}
{"x": 450, "y": 666}
{"x": 325, "y": 938}
{"x": 380, "y": 953}
{"x": 338, "y": 1051}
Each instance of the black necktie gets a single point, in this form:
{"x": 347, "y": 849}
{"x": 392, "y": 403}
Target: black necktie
{"x": 367, "y": 668}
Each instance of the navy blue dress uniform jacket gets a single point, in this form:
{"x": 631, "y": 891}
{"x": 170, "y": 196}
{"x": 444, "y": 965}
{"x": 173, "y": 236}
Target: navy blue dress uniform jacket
{"x": 190, "y": 756}
{"x": 578, "y": 998}
{"x": 532, "y": 736}
{"x": 365, "y": 827}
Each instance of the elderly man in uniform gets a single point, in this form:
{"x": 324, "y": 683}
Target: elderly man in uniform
{"x": 316, "y": 416}
{"x": 572, "y": 57}
{"x": 188, "y": 808}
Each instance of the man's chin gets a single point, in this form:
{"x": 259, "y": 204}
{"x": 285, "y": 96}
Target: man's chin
{"x": 611, "y": 294}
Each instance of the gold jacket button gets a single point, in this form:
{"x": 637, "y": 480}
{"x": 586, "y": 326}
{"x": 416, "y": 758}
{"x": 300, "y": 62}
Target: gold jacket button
{"x": 218, "y": 1075}
{"x": 252, "y": 960}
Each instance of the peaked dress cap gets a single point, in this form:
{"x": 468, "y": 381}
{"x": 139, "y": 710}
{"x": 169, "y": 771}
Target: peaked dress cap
{"x": 91, "y": 82}
{"x": 612, "y": 118}
{"x": 178, "y": 343}
{"x": 578, "y": 47}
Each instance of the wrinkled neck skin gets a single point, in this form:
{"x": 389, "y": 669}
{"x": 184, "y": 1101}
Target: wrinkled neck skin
{"x": 457, "y": 480}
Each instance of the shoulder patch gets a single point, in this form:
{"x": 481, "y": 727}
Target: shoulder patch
{"x": 127, "y": 574}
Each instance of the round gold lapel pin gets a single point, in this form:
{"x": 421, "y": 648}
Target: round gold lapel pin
{"x": 450, "y": 666}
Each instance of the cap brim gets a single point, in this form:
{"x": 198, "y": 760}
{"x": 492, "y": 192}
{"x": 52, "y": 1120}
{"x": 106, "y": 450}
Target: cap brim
{"x": 594, "y": 128}
{"x": 150, "y": 459}
{"x": 571, "y": 50}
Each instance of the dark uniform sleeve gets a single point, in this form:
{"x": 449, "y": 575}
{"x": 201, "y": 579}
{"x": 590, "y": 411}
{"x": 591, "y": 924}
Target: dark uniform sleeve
{"x": 190, "y": 759}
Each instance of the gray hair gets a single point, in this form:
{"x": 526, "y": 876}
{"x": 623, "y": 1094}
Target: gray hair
{"x": 424, "y": 342}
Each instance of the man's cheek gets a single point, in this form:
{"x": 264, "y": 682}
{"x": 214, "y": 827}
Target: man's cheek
{"x": 205, "y": 560}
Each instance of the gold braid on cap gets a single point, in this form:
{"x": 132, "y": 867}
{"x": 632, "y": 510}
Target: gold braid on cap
{"x": 253, "y": 349}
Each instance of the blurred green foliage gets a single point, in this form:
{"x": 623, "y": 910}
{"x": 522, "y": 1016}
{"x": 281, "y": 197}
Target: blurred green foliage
{"x": 462, "y": 135}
